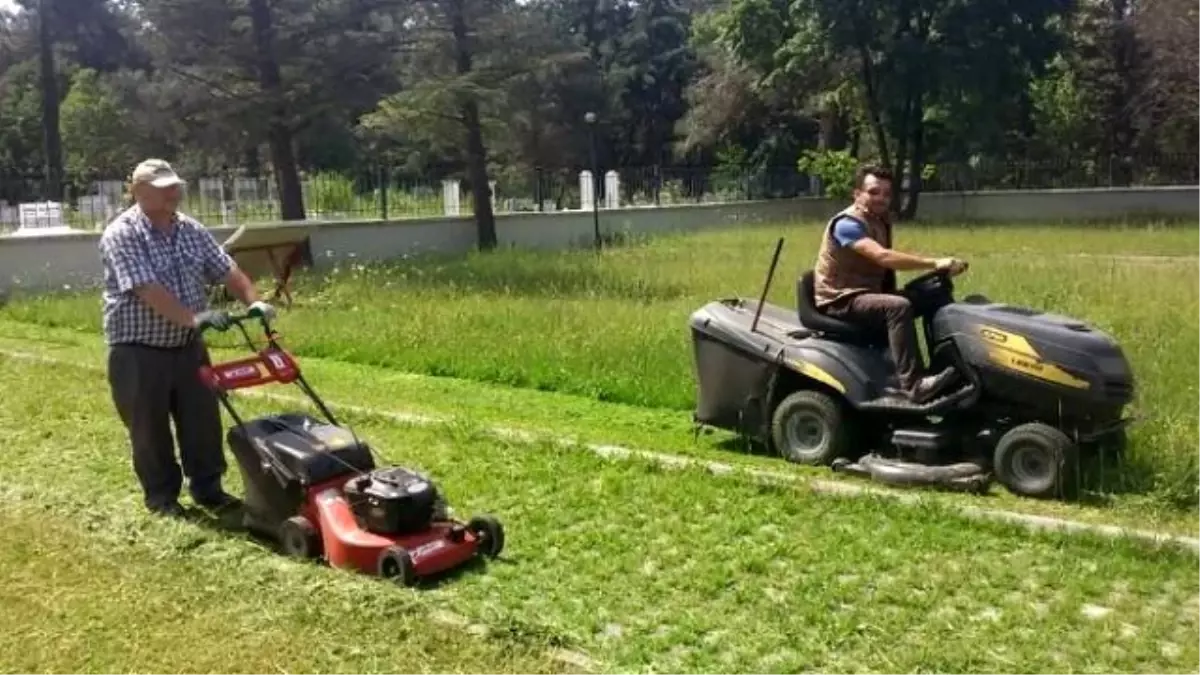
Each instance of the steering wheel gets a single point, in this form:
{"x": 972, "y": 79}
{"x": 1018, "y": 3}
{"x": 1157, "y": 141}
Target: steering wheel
{"x": 934, "y": 279}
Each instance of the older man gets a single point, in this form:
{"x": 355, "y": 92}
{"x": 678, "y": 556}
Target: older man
{"x": 157, "y": 264}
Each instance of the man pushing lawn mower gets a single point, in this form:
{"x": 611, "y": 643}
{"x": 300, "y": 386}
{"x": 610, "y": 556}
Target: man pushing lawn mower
{"x": 157, "y": 263}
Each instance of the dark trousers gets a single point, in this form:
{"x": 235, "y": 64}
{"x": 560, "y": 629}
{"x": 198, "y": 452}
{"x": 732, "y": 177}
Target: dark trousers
{"x": 893, "y": 313}
{"x": 152, "y": 387}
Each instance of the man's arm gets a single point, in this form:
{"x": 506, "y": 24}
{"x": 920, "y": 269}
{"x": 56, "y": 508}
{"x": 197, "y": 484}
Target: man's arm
{"x": 890, "y": 258}
{"x": 219, "y": 265}
{"x": 240, "y": 286}
{"x": 850, "y": 232}
{"x": 162, "y": 301}
{"x": 132, "y": 274}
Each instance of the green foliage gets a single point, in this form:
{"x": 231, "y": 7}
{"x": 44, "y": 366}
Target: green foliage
{"x": 96, "y": 129}
{"x": 959, "y": 85}
{"x": 21, "y": 119}
{"x": 331, "y": 192}
{"x": 835, "y": 168}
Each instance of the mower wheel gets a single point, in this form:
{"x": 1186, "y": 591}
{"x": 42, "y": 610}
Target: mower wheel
{"x": 490, "y": 533}
{"x": 300, "y": 538}
{"x": 1036, "y": 460}
{"x": 808, "y": 427}
{"x": 396, "y": 563}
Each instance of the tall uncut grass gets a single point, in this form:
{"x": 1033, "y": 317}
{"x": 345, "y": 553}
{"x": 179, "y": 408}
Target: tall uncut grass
{"x": 614, "y": 326}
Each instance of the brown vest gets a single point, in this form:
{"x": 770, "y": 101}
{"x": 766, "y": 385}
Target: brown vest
{"x": 840, "y": 270}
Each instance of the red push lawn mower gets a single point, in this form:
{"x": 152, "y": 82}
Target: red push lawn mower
{"x": 314, "y": 487}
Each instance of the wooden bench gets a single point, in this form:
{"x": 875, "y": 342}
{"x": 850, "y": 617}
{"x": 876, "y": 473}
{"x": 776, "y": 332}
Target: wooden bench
{"x": 273, "y": 251}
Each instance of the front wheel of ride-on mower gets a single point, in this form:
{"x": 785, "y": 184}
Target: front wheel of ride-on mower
{"x": 1036, "y": 460}
{"x": 808, "y": 427}
{"x": 490, "y": 533}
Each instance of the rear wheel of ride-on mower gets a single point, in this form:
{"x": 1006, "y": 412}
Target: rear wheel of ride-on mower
{"x": 299, "y": 538}
{"x": 1036, "y": 460}
{"x": 808, "y": 427}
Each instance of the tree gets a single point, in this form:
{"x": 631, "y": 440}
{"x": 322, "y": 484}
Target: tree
{"x": 924, "y": 72}
{"x": 90, "y": 33}
{"x": 460, "y": 84}
{"x": 1168, "y": 119}
{"x": 267, "y": 70}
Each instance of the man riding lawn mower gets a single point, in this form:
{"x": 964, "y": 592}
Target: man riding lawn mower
{"x": 1014, "y": 391}
{"x": 855, "y": 279}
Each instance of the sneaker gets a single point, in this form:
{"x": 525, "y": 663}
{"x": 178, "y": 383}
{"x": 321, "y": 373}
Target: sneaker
{"x": 930, "y": 385}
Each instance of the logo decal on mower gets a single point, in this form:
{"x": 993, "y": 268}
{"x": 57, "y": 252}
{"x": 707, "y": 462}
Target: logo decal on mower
{"x": 993, "y": 336}
{"x": 239, "y": 372}
{"x": 426, "y": 549}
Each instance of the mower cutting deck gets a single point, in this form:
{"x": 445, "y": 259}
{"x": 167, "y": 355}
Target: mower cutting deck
{"x": 315, "y": 488}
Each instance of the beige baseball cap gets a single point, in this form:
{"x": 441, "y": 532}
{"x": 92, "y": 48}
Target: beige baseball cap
{"x": 157, "y": 173}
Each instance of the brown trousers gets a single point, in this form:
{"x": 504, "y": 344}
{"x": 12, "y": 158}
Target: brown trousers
{"x": 895, "y": 313}
{"x": 152, "y": 387}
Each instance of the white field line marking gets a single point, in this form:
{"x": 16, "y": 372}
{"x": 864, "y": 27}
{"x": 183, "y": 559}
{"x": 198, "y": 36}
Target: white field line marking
{"x": 817, "y": 485}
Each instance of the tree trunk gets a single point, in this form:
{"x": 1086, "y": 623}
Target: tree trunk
{"x": 873, "y": 104}
{"x": 481, "y": 191}
{"x": 51, "y": 136}
{"x": 833, "y": 125}
{"x": 917, "y": 163}
{"x": 279, "y": 134}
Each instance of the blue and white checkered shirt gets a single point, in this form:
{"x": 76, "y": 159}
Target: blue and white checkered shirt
{"x": 184, "y": 261}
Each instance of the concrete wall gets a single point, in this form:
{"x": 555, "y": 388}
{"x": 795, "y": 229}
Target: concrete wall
{"x": 1062, "y": 205}
{"x": 72, "y": 260}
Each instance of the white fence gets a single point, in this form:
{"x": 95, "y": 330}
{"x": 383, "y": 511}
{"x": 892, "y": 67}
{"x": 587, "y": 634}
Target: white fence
{"x": 53, "y": 262}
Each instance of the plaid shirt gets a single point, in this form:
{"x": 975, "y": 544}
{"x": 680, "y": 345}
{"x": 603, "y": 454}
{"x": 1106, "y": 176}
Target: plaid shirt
{"x": 184, "y": 261}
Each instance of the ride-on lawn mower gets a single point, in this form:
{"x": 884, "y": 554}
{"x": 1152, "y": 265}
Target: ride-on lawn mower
{"x": 1035, "y": 392}
{"x": 314, "y": 487}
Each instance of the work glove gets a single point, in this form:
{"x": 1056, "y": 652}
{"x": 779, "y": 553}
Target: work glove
{"x": 213, "y": 318}
{"x": 261, "y": 309}
{"x": 951, "y": 265}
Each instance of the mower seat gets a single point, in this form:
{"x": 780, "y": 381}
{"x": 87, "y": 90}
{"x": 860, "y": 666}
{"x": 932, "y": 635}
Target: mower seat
{"x": 831, "y": 327}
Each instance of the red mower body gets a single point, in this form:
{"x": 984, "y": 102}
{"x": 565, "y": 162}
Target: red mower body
{"x": 313, "y": 486}
{"x": 345, "y": 544}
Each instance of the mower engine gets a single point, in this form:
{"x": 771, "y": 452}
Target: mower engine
{"x": 394, "y": 500}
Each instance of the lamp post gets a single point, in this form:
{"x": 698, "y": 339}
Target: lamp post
{"x": 590, "y": 118}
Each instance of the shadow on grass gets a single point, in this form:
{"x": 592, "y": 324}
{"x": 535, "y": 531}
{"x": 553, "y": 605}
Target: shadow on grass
{"x": 1101, "y": 476}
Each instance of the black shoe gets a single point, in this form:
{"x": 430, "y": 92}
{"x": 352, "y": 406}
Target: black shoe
{"x": 215, "y": 500}
{"x": 170, "y": 509}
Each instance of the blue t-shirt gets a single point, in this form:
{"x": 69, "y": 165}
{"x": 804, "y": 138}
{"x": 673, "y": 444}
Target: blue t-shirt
{"x": 847, "y": 230}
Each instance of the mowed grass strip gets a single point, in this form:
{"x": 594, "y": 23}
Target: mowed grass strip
{"x": 160, "y": 601}
{"x": 637, "y": 567}
{"x": 551, "y": 415}
{"x": 614, "y": 327}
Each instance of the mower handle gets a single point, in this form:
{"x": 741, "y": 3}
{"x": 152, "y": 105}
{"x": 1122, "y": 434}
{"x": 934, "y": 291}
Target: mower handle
{"x": 240, "y": 320}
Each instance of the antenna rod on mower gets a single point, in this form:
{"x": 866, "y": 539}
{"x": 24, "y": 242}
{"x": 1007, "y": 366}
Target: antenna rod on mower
{"x": 767, "y": 285}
